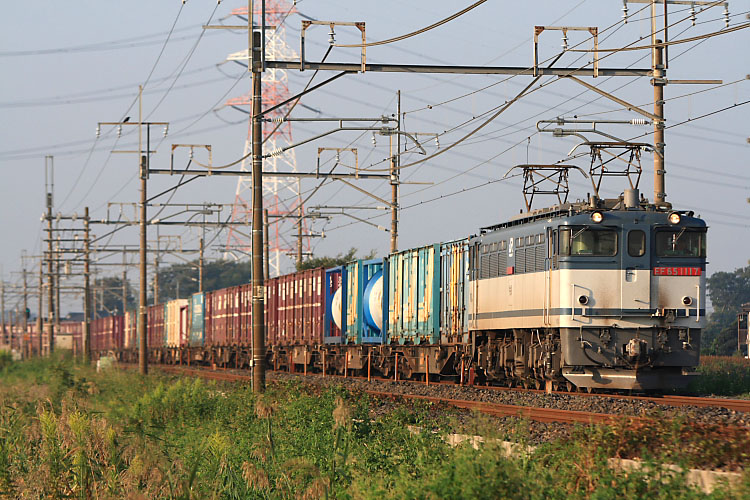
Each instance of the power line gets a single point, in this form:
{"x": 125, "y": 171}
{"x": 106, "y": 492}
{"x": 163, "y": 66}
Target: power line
{"x": 419, "y": 31}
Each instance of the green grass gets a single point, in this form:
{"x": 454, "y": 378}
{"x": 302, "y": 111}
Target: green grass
{"x": 723, "y": 376}
{"x": 67, "y": 432}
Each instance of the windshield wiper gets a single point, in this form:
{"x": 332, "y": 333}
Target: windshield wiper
{"x": 584, "y": 228}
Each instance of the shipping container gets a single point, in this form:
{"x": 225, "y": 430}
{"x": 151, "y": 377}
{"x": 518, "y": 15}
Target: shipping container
{"x": 107, "y": 333}
{"x": 228, "y": 316}
{"x": 414, "y": 295}
{"x": 365, "y": 310}
{"x": 294, "y": 305}
{"x": 131, "y": 325}
{"x": 454, "y": 285}
{"x": 246, "y": 314}
{"x": 372, "y": 313}
{"x": 197, "y": 315}
{"x": 155, "y": 325}
{"x": 334, "y": 326}
{"x": 176, "y": 322}
{"x": 70, "y": 336}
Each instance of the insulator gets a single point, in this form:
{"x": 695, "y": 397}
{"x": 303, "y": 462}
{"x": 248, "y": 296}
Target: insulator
{"x": 191, "y": 153}
{"x": 437, "y": 142}
{"x": 277, "y": 152}
{"x": 331, "y": 36}
{"x": 98, "y": 130}
{"x": 166, "y": 130}
{"x": 726, "y": 15}
{"x": 338, "y": 156}
{"x": 692, "y": 14}
{"x": 625, "y": 11}
{"x": 565, "y": 41}
{"x": 374, "y": 142}
{"x": 639, "y": 121}
{"x": 119, "y": 131}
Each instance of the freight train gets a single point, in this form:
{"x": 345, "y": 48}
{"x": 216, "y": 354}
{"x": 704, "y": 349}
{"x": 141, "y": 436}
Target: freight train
{"x": 599, "y": 294}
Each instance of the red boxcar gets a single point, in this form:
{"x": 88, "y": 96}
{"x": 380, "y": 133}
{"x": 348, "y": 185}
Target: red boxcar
{"x": 228, "y": 316}
{"x": 155, "y": 325}
{"x": 295, "y": 308}
{"x": 107, "y": 333}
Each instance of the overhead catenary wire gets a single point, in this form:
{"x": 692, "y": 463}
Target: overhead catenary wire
{"x": 425, "y": 188}
{"x": 93, "y": 145}
{"x": 419, "y": 31}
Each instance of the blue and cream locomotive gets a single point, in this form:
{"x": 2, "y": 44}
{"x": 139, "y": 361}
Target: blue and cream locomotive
{"x": 599, "y": 294}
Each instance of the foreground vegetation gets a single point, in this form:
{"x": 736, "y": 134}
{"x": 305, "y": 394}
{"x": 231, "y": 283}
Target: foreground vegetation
{"x": 723, "y": 376}
{"x": 67, "y": 432}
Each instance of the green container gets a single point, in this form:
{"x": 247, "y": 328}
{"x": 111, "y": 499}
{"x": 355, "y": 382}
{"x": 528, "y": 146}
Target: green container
{"x": 414, "y": 296}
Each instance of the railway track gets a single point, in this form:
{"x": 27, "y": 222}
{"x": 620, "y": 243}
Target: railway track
{"x": 741, "y": 405}
{"x": 738, "y": 405}
{"x": 493, "y": 409}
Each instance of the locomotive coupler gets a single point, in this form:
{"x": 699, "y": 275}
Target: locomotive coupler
{"x": 636, "y": 349}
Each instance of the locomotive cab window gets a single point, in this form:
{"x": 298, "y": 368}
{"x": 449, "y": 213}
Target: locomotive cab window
{"x": 680, "y": 242}
{"x": 636, "y": 243}
{"x": 588, "y": 241}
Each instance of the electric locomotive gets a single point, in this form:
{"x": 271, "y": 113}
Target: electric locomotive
{"x": 602, "y": 294}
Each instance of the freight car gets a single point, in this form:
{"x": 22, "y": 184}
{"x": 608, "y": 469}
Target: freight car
{"x": 602, "y": 294}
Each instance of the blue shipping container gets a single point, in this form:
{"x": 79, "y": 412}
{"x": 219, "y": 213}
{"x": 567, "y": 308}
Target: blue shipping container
{"x": 197, "y": 319}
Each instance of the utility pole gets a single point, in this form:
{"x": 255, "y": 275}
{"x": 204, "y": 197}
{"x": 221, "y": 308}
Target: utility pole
{"x": 299, "y": 234}
{"x": 266, "y": 245}
{"x": 24, "y": 347}
{"x": 258, "y": 277}
{"x": 395, "y": 170}
{"x": 143, "y": 165}
{"x": 659, "y": 143}
{"x": 57, "y": 286}
{"x": 124, "y": 284}
{"x": 200, "y": 267}
{"x": 86, "y": 289}
{"x": 156, "y": 278}
{"x": 40, "y": 319}
{"x": 49, "y": 181}
{"x": 2, "y": 304}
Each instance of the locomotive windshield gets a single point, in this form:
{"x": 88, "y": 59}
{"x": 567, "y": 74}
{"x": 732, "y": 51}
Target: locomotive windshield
{"x": 681, "y": 242}
{"x": 588, "y": 241}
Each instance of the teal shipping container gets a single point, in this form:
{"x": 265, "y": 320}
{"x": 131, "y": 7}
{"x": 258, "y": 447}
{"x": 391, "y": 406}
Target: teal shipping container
{"x": 414, "y": 296}
{"x": 197, "y": 319}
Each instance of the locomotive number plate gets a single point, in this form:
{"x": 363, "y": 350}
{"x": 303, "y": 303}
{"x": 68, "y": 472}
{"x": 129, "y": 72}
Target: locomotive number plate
{"x": 677, "y": 271}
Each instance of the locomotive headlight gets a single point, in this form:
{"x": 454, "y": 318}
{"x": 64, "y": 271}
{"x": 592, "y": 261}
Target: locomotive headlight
{"x": 583, "y": 300}
{"x": 687, "y": 300}
{"x": 597, "y": 217}
{"x": 674, "y": 218}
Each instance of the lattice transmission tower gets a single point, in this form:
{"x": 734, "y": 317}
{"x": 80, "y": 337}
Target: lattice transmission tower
{"x": 281, "y": 195}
